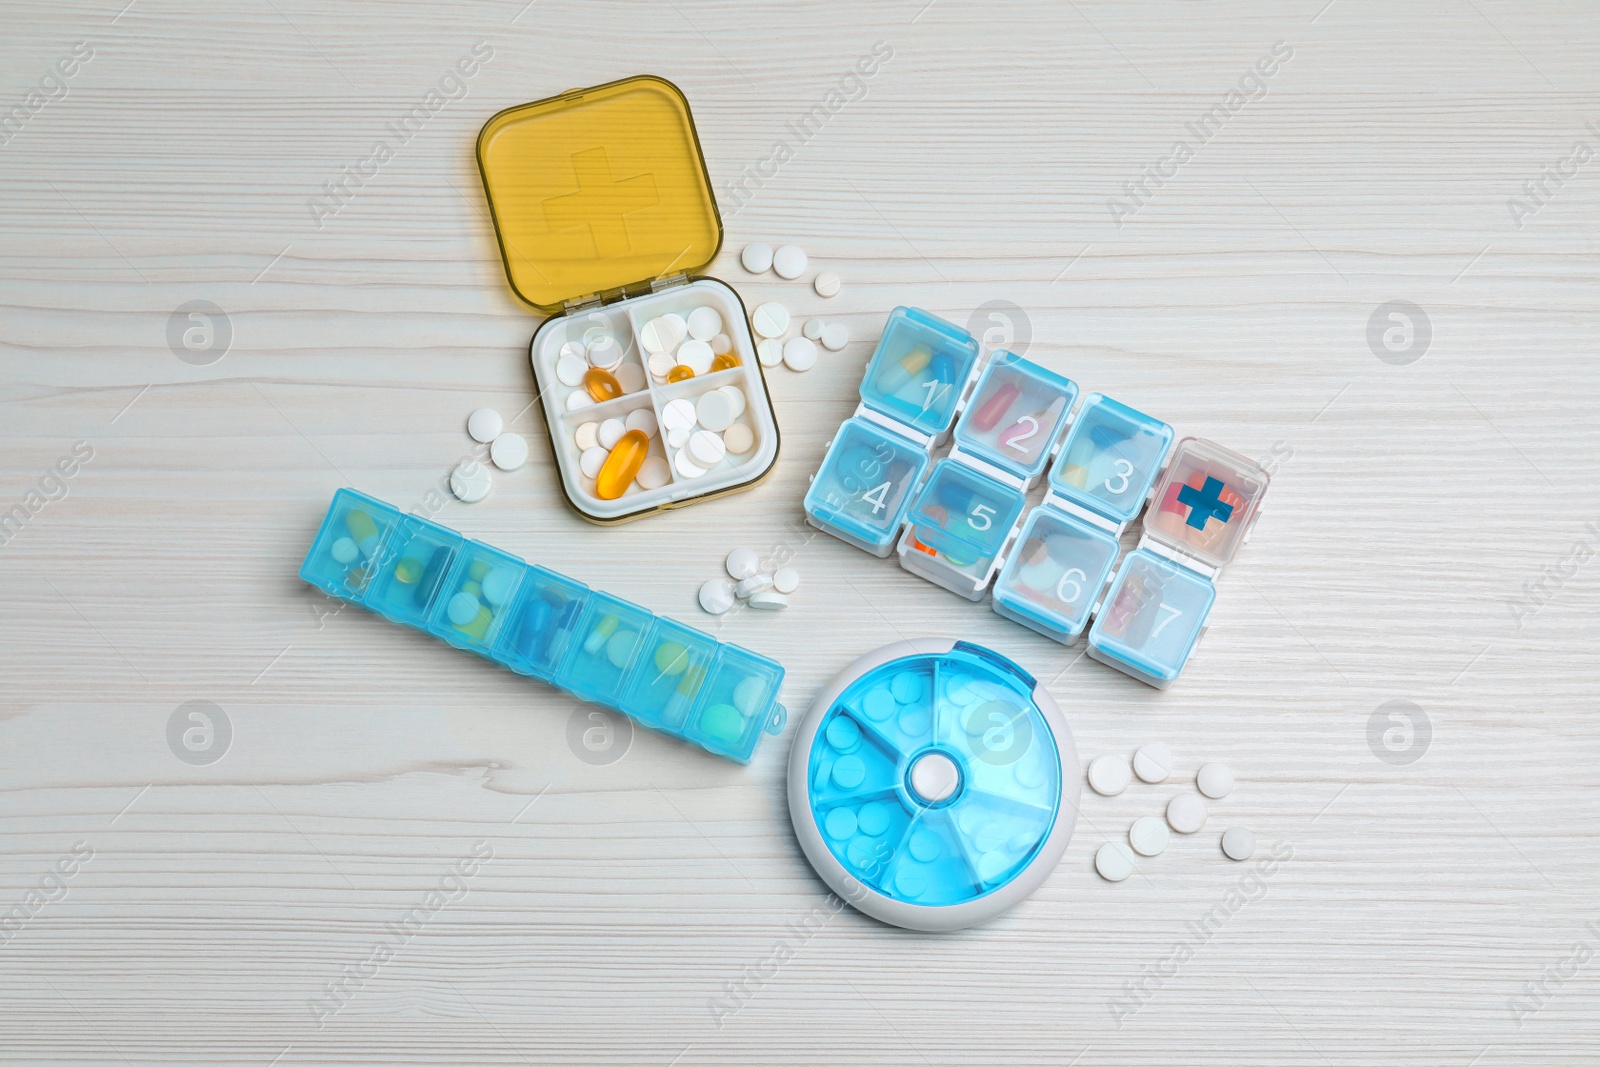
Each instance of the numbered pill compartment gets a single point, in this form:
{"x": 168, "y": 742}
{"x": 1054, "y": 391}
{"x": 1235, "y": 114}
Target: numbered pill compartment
{"x": 416, "y": 560}
{"x": 1054, "y": 575}
{"x": 603, "y": 647}
{"x": 669, "y": 675}
{"x": 964, "y": 513}
{"x": 865, "y": 485}
{"x": 1151, "y": 618}
{"x": 1206, "y": 501}
{"x": 476, "y": 597}
{"x": 919, "y": 370}
{"x": 540, "y": 624}
{"x": 348, "y": 548}
{"x": 1110, "y": 457}
{"x": 1015, "y": 415}
{"x": 736, "y": 704}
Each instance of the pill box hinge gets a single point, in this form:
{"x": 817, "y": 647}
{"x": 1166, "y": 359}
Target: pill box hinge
{"x": 669, "y": 281}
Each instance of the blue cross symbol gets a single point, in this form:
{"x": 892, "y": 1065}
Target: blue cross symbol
{"x": 1204, "y": 503}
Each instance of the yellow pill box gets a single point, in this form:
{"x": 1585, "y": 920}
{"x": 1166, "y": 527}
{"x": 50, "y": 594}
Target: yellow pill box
{"x": 603, "y": 210}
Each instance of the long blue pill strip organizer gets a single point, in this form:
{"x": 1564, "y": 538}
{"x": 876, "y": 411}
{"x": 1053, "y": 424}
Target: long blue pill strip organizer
{"x": 664, "y": 675}
{"x": 962, "y": 521}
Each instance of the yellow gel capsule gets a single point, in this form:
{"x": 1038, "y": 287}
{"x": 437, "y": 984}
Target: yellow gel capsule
{"x": 408, "y": 570}
{"x": 914, "y": 360}
{"x": 601, "y": 384}
{"x": 726, "y": 361}
{"x": 680, "y": 373}
{"x": 620, "y": 467}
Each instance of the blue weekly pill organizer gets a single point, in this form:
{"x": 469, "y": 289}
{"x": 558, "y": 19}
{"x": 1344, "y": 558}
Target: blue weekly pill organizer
{"x": 538, "y": 623}
{"x": 933, "y": 784}
{"x": 962, "y": 520}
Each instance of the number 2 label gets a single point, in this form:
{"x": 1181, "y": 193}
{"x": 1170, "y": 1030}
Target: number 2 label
{"x": 1015, "y": 439}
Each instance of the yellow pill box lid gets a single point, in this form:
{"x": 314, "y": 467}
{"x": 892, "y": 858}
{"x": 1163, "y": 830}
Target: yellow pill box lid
{"x": 597, "y": 193}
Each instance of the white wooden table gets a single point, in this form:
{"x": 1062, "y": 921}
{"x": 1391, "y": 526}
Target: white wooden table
{"x": 1430, "y": 912}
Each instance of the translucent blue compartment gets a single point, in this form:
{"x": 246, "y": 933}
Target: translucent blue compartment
{"x": 964, "y": 513}
{"x": 1054, "y": 574}
{"x": 919, "y": 369}
{"x": 1110, "y": 458}
{"x": 615, "y": 654}
{"x": 864, "y": 486}
{"x": 1151, "y": 618}
{"x": 1015, "y": 415}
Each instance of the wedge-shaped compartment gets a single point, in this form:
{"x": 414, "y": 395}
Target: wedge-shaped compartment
{"x": 604, "y": 646}
{"x": 539, "y": 627}
{"x": 964, "y": 513}
{"x": 348, "y": 548}
{"x": 575, "y": 461}
{"x": 668, "y": 675}
{"x": 416, "y": 560}
{"x": 568, "y": 347}
{"x": 1052, "y": 579}
{"x": 919, "y": 370}
{"x": 476, "y": 597}
{"x": 1206, "y": 501}
{"x": 1152, "y": 618}
{"x": 736, "y": 704}
{"x": 1015, "y": 415}
{"x": 865, "y": 485}
{"x": 1110, "y": 458}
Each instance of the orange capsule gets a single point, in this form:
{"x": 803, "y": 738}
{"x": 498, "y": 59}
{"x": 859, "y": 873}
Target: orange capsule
{"x": 680, "y": 373}
{"x": 622, "y": 465}
{"x": 601, "y": 384}
{"x": 726, "y": 361}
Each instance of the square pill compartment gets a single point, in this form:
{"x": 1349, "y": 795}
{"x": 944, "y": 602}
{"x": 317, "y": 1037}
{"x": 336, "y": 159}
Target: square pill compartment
{"x": 1054, "y": 577}
{"x": 1110, "y": 457}
{"x": 1015, "y": 416}
{"x": 1152, "y": 618}
{"x": 865, "y": 485}
{"x": 919, "y": 371}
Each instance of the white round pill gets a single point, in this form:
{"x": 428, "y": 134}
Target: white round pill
{"x": 721, "y": 344}
{"x": 800, "y": 353}
{"x": 1149, "y": 836}
{"x": 736, "y": 395}
{"x": 826, "y": 284}
{"x": 706, "y": 448}
{"x": 753, "y": 584}
{"x": 661, "y": 363}
{"x": 631, "y": 377}
{"x": 685, "y": 465}
{"x": 786, "y": 580}
{"x": 813, "y": 328}
{"x": 605, "y": 352}
{"x": 1186, "y": 813}
{"x": 704, "y": 323}
{"x": 653, "y": 473}
{"x": 770, "y": 352}
{"x": 738, "y": 439}
{"x": 344, "y": 550}
{"x": 578, "y": 400}
{"x": 1215, "y": 780}
{"x": 768, "y": 600}
{"x": 611, "y": 432}
{"x": 1153, "y": 762}
{"x": 789, "y": 261}
{"x": 485, "y": 425}
{"x": 1238, "y": 843}
{"x": 576, "y": 349}
{"x": 696, "y": 355}
{"x": 663, "y": 333}
{"x": 1109, "y": 775}
{"x": 571, "y": 369}
{"x": 496, "y": 585}
{"x": 641, "y": 419}
{"x": 770, "y": 319}
{"x": 742, "y": 563}
{"x": 509, "y": 451}
{"x": 716, "y": 596}
{"x": 586, "y": 436}
{"x": 835, "y": 336}
{"x": 679, "y": 437}
{"x": 1113, "y": 861}
{"x": 470, "y": 481}
{"x": 757, "y": 258}
{"x": 592, "y": 460}
{"x": 678, "y": 414}
{"x": 714, "y": 410}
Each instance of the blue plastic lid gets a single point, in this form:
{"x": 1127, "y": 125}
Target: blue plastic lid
{"x": 1016, "y": 414}
{"x": 964, "y": 513}
{"x": 1055, "y": 574}
{"x": 1152, "y": 617}
{"x": 1110, "y": 458}
{"x": 918, "y": 370}
{"x": 865, "y": 484}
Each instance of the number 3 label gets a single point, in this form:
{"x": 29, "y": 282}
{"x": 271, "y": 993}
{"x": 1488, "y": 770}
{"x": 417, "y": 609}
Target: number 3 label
{"x": 1124, "y": 469}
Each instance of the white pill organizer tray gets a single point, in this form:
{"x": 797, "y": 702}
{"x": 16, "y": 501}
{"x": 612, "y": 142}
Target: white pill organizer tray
{"x": 604, "y": 214}
{"x": 538, "y": 623}
{"x": 962, "y": 522}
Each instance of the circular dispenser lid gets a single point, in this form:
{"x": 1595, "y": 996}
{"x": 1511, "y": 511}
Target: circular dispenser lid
{"x": 933, "y": 784}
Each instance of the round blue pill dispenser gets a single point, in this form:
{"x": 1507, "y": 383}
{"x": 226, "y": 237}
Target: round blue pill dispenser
{"x": 933, "y": 784}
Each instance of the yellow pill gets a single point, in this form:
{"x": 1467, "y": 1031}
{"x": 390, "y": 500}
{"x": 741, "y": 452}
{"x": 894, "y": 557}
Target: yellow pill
{"x": 360, "y": 525}
{"x": 478, "y": 628}
{"x": 478, "y": 570}
{"x": 726, "y": 361}
{"x": 914, "y": 360}
{"x": 671, "y": 658}
{"x": 473, "y": 589}
{"x": 1073, "y": 474}
{"x": 601, "y": 384}
{"x": 689, "y": 684}
{"x": 597, "y": 637}
{"x": 622, "y": 465}
{"x": 680, "y": 373}
{"x": 408, "y": 570}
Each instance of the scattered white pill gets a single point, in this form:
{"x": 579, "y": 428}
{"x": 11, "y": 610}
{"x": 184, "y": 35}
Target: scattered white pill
{"x": 800, "y": 353}
{"x": 736, "y": 395}
{"x": 767, "y": 600}
{"x": 1238, "y": 843}
{"x": 716, "y": 596}
{"x": 770, "y": 352}
{"x": 578, "y": 400}
{"x": 704, "y": 323}
{"x": 1215, "y": 780}
{"x": 1186, "y": 813}
{"x": 1113, "y": 861}
{"x": 611, "y": 432}
{"x": 813, "y": 328}
{"x": 1109, "y": 775}
{"x": 471, "y": 481}
{"x": 786, "y": 580}
{"x": 509, "y": 451}
{"x": 592, "y": 460}
{"x": 661, "y": 363}
{"x": 835, "y": 336}
{"x": 571, "y": 369}
{"x": 485, "y": 425}
{"x": 742, "y": 563}
{"x": 587, "y": 436}
{"x": 641, "y": 419}
{"x": 685, "y": 465}
{"x": 789, "y": 261}
{"x": 757, "y": 258}
{"x": 739, "y": 439}
{"x": 631, "y": 377}
{"x": 345, "y": 550}
{"x": 605, "y": 352}
{"x": 576, "y": 349}
{"x": 770, "y": 319}
{"x": 654, "y": 473}
{"x": 1149, "y": 836}
{"x": 679, "y": 437}
{"x": 678, "y": 414}
{"x": 826, "y": 284}
{"x": 696, "y": 355}
{"x": 663, "y": 333}
{"x": 1153, "y": 762}
{"x": 753, "y": 584}
{"x": 715, "y": 410}
{"x": 721, "y": 344}
{"x": 706, "y": 448}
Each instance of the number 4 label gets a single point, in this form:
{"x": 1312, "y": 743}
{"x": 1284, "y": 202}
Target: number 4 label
{"x": 877, "y": 496}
